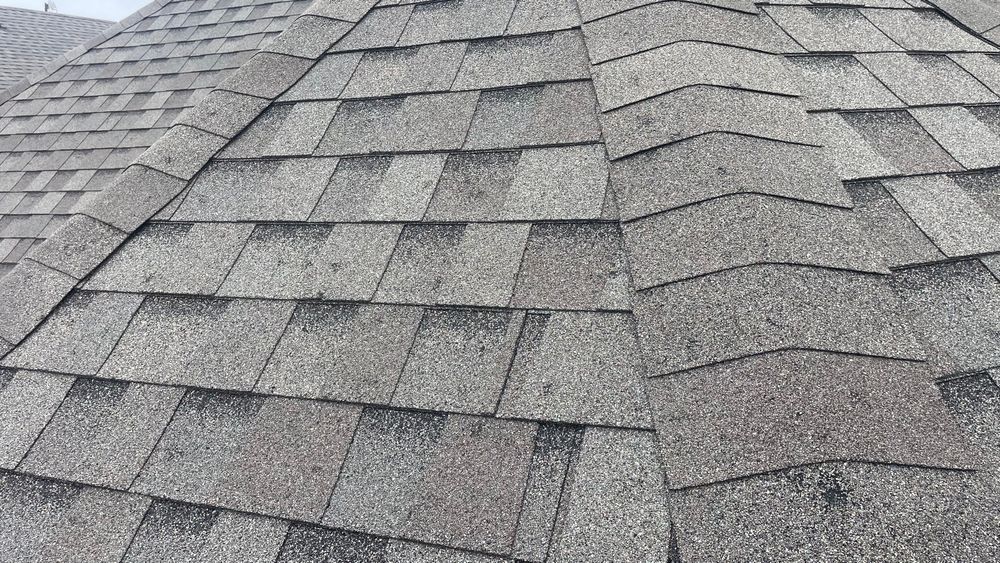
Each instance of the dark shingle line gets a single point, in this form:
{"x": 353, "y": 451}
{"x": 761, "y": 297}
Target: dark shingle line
{"x": 510, "y": 365}
{"x": 158, "y": 439}
{"x": 699, "y": 41}
{"x": 713, "y": 132}
{"x": 734, "y": 193}
{"x": 700, "y": 85}
{"x": 961, "y": 25}
{"x": 460, "y": 150}
{"x": 46, "y": 425}
{"x": 449, "y": 41}
{"x": 756, "y": 265}
{"x": 905, "y": 108}
{"x": 653, "y": 3}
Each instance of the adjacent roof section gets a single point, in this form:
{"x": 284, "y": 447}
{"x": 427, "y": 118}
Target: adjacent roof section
{"x": 29, "y": 39}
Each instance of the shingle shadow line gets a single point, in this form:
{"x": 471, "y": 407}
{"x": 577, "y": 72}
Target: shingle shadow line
{"x": 47, "y": 423}
{"x": 833, "y": 460}
{"x": 409, "y": 152}
{"x": 946, "y": 260}
{"x": 760, "y": 264}
{"x": 601, "y": 62}
{"x": 405, "y": 95}
{"x": 163, "y": 433}
{"x": 334, "y": 51}
{"x": 655, "y": 2}
{"x": 712, "y": 132}
{"x": 510, "y": 363}
{"x": 699, "y": 85}
{"x": 732, "y": 194}
{"x": 948, "y": 378}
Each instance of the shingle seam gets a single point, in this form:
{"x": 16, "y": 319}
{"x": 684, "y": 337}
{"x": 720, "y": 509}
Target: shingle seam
{"x": 649, "y": 3}
{"x": 135, "y": 532}
{"x": 765, "y": 264}
{"x": 46, "y": 425}
{"x": 484, "y": 39}
{"x": 711, "y": 132}
{"x": 510, "y": 364}
{"x": 903, "y": 107}
{"x": 698, "y": 85}
{"x": 883, "y": 33}
{"x": 459, "y": 150}
{"x": 962, "y": 25}
{"x": 118, "y": 340}
{"x": 601, "y": 62}
{"x": 782, "y": 197}
{"x": 159, "y": 438}
{"x": 270, "y": 353}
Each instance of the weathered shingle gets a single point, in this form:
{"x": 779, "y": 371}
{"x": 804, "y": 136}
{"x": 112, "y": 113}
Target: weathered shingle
{"x": 514, "y": 61}
{"x": 284, "y": 130}
{"x": 836, "y": 29}
{"x": 841, "y": 82}
{"x": 456, "y": 19}
{"x": 428, "y": 68}
{"x": 920, "y": 30}
{"x": 562, "y": 113}
{"x": 380, "y": 188}
{"x": 926, "y": 79}
{"x": 27, "y": 401}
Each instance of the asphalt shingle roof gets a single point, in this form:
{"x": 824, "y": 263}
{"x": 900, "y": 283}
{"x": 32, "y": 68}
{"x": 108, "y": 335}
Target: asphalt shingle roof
{"x": 515, "y": 281}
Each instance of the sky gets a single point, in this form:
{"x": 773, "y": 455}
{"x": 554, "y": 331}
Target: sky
{"x": 113, "y": 10}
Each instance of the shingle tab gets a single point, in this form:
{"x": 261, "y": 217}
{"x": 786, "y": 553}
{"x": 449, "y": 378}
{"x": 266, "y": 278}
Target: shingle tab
{"x": 381, "y": 27}
{"x": 28, "y": 293}
{"x": 312, "y": 261}
{"x": 841, "y": 82}
{"x": 204, "y": 342}
{"x": 473, "y": 264}
{"x": 266, "y": 75}
{"x": 78, "y": 336}
{"x": 926, "y": 79}
{"x": 263, "y": 190}
{"x": 326, "y": 79}
{"x": 414, "y": 123}
{"x": 453, "y": 480}
{"x": 79, "y": 246}
{"x": 343, "y": 352}
{"x": 535, "y": 16}
{"x": 134, "y": 196}
{"x": 223, "y": 113}
{"x": 173, "y": 258}
{"x": 574, "y": 266}
{"x": 578, "y": 368}
{"x": 458, "y": 361}
{"x": 103, "y": 432}
{"x": 175, "y": 532}
{"x": 616, "y": 507}
{"x": 43, "y": 521}
{"x": 900, "y": 141}
{"x": 758, "y": 309}
{"x": 427, "y": 68}
{"x": 380, "y": 188}
{"x": 211, "y": 453}
{"x": 27, "y": 401}
{"x": 889, "y": 228}
{"x": 182, "y": 151}
{"x": 515, "y": 61}
{"x": 962, "y": 134}
{"x": 838, "y": 29}
{"x": 560, "y": 113}
{"x": 284, "y": 130}
{"x": 924, "y": 30}
{"x": 456, "y": 19}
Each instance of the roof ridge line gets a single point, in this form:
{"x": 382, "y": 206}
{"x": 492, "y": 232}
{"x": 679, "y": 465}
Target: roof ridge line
{"x": 28, "y": 295}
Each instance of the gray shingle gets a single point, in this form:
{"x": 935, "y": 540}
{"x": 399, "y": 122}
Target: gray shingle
{"x": 661, "y": 23}
{"x": 313, "y": 544}
{"x": 43, "y": 521}
{"x": 719, "y": 164}
{"x": 284, "y": 130}
{"x": 343, "y": 352}
{"x": 836, "y": 29}
{"x": 223, "y": 113}
{"x": 947, "y": 214}
{"x": 173, "y": 258}
{"x": 551, "y": 183}
{"x": 534, "y": 16}
{"x": 924, "y": 30}
{"x": 815, "y": 512}
{"x": 276, "y": 190}
{"x": 953, "y": 308}
{"x": 615, "y": 505}
{"x": 309, "y": 36}
{"x": 763, "y": 308}
{"x": 27, "y": 401}
{"x": 705, "y": 109}
{"x": 926, "y": 79}
{"x": 578, "y": 368}
{"x": 182, "y": 151}
{"x": 593, "y": 9}
{"x": 379, "y": 28}
{"x": 134, "y": 196}
{"x": 381, "y": 188}
{"x": 78, "y": 336}
{"x": 209, "y": 343}
{"x": 325, "y": 80}
{"x": 473, "y": 264}
{"x": 671, "y": 67}
{"x": 725, "y": 421}
{"x": 889, "y": 228}
{"x": 312, "y": 261}
{"x": 413, "y": 123}
{"x": 456, "y": 19}
{"x": 840, "y": 82}
{"x": 266, "y": 75}
{"x": 28, "y": 293}
{"x": 852, "y": 156}
{"x": 211, "y": 453}
{"x": 986, "y": 68}
{"x": 102, "y": 432}
{"x": 574, "y": 266}
{"x": 458, "y": 361}
{"x": 79, "y": 246}
{"x": 561, "y": 113}
{"x": 178, "y": 532}
{"x": 962, "y": 134}
{"x": 453, "y": 480}
{"x": 405, "y": 71}
{"x": 515, "y": 61}
{"x": 901, "y": 141}
{"x": 745, "y": 229}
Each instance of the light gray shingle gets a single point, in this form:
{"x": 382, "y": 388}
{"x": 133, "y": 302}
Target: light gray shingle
{"x": 27, "y": 401}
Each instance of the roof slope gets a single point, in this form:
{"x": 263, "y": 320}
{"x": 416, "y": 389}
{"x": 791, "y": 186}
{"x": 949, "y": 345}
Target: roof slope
{"x": 531, "y": 280}
{"x": 29, "y": 39}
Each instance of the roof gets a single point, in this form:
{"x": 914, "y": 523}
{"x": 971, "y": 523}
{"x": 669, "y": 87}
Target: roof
{"x": 528, "y": 280}
{"x": 30, "y": 38}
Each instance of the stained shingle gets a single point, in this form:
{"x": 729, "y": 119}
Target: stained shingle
{"x": 78, "y": 336}
{"x": 211, "y": 453}
{"x": 458, "y": 361}
{"x": 757, "y": 309}
{"x": 453, "y": 480}
{"x": 382, "y": 188}
{"x": 926, "y": 79}
{"x": 27, "y": 401}
{"x": 208, "y": 343}
{"x": 841, "y": 82}
{"x": 456, "y": 19}
{"x": 536, "y": 115}
{"x": 573, "y": 266}
{"x": 173, "y": 258}
{"x": 514, "y": 61}
{"x": 344, "y": 352}
{"x": 473, "y": 264}
{"x": 284, "y": 130}
{"x": 413, "y": 123}
{"x": 615, "y": 504}
{"x": 312, "y": 261}
{"x": 178, "y": 532}
{"x": 405, "y": 71}
{"x": 102, "y": 432}
{"x": 836, "y": 29}
{"x": 578, "y": 368}
{"x": 265, "y": 190}
{"x": 43, "y": 521}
